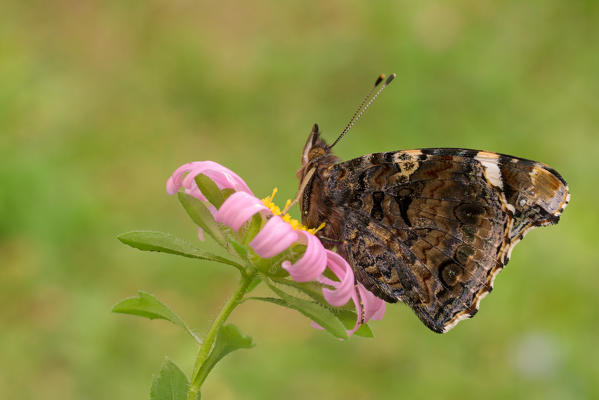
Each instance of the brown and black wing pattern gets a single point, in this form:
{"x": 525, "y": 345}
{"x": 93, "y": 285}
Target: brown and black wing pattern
{"x": 432, "y": 227}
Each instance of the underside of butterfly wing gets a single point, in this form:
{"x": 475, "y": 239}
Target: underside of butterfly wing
{"x": 431, "y": 227}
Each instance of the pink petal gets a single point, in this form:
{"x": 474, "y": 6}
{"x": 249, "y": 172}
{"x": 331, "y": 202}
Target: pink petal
{"x": 316, "y": 326}
{"x": 344, "y": 288}
{"x": 374, "y": 308}
{"x": 195, "y": 192}
{"x": 359, "y": 315}
{"x": 239, "y": 208}
{"x": 380, "y": 311}
{"x": 222, "y": 176}
{"x": 312, "y": 263}
{"x": 276, "y": 236}
{"x": 175, "y": 181}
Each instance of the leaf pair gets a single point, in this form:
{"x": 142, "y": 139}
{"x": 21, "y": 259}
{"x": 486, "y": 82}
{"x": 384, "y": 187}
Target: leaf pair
{"x": 172, "y": 384}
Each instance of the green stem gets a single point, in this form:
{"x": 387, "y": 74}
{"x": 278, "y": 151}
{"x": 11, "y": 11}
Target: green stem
{"x": 221, "y": 318}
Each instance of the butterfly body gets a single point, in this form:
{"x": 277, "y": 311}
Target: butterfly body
{"x": 428, "y": 227}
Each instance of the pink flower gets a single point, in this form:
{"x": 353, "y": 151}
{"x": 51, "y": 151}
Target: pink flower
{"x": 277, "y": 235}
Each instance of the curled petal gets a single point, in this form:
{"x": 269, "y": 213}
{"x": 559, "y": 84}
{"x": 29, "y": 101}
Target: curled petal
{"x": 175, "y": 181}
{"x": 374, "y": 308}
{"x": 344, "y": 288}
{"x": 222, "y": 176}
{"x": 195, "y": 192}
{"x": 312, "y": 263}
{"x": 380, "y": 310}
{"x": 238, "y": 208}
{"x": 276, "y": 236}
{"x": 367, "y": 303}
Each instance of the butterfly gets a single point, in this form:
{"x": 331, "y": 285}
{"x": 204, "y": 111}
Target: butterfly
{"x": 428, "y": 227}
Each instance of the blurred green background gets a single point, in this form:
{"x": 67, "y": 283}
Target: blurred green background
{"x": 101, "y": 101}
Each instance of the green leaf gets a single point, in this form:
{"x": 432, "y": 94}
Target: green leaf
{"x": 272, "y": 266}
{"x": 273, "y": 300}
{"x": 255, "y": 282}
{"x": 210, "y": 190}
{"x": 312, "y": 289}
{"x": 229, "y": 339}
{"x": 364, "y": 331}
{"x": 148, "y": 306}
{"x": 316, "y": 312}
{"x": 227, "y": 192}
{"x": 170, "y": 384}
{"x": 240, "y": 249}
{"x": 349, "y": 320}
{"x": 200, "y": 214}
{"x": 167, "y": 243}
{"x": 252, "y": 228}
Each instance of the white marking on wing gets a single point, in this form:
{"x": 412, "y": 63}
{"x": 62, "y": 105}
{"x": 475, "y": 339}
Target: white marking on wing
{"x": 491, "y": 165}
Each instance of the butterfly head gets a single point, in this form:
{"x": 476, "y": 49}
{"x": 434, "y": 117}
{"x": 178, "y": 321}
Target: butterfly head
{"x": 316, "y": 157}
{"x": 315, "y": 147}
{"x": 316, "y": 152}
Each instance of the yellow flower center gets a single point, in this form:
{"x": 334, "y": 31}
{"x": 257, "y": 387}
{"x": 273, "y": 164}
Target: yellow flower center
{"x": 295, "y": 224}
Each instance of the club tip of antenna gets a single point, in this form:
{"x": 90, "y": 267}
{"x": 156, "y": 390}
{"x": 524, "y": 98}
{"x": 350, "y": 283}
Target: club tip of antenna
{"x": 379, "y": 80}
{"x": 390, "y": 78}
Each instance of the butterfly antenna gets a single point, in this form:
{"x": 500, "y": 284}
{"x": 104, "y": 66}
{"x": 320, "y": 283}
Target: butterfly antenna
{"x": 378, "y": 81}
{"x": 368, "y": 100}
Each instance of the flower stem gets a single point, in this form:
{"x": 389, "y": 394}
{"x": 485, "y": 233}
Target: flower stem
{"x": 221, "y": 318}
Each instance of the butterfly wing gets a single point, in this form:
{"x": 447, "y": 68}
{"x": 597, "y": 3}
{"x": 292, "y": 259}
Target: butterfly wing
{"x": 433, "y": 227}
